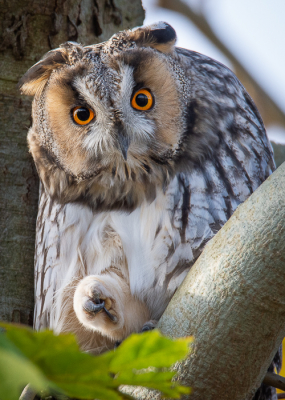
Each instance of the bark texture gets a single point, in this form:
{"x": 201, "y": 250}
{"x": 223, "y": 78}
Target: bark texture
{"x": 28, "y": 29}
{"x": 233, "y": 301}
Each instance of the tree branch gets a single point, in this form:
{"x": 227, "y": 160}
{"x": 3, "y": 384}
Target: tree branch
{"x": 232, "y": 301}
{"x": 274, "y": 380}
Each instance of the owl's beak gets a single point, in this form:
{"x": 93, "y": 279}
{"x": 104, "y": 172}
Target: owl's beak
{"x": 124, "y": 143}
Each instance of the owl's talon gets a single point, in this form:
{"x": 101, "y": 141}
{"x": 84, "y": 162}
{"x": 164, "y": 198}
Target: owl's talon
{"x": 97, "y": 305}
{"x": 112, "y": 317}
{"x": 94, "y": 307}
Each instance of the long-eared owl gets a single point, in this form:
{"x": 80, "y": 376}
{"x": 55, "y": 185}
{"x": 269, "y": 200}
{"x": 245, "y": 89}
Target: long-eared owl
{"x": 144, "y": 150}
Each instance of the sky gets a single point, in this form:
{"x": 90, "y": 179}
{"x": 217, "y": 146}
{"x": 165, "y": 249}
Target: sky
{"x": 254, "y": 30}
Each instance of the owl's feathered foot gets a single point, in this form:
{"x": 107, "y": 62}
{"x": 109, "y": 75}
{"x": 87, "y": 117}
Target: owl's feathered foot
{"x": 104, "y": 303}
{"x": 95, "y": 305}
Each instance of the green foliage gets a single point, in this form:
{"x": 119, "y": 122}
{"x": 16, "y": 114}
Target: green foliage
{"x": 48, "y": 361}
{"x": 16, "y": 370}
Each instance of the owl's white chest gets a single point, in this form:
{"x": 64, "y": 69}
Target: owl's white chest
{"x": 152, "y": 246}
{"x": 115, "y": 238}
{"x": 141, "y": 243}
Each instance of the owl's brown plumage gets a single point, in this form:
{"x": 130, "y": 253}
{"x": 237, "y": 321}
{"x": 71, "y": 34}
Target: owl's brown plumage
{"x": 130, "y": 198}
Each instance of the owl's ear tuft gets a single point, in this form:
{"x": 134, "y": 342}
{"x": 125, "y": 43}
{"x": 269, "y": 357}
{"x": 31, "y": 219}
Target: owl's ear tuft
{"x": 36, "y": 77}
{"x": 160, "y": 36}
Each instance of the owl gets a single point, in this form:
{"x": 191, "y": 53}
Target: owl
{"x": 144, "y": 150}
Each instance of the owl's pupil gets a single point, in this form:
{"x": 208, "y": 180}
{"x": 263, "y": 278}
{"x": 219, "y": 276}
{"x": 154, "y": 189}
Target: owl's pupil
{"x": 83, "y": 114}
{"x": 141, "y": 100}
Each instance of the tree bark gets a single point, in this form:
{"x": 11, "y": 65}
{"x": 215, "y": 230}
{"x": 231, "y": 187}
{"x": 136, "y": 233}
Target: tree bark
{"x": 233, "y": 301}
{"x": 28, "y": 30}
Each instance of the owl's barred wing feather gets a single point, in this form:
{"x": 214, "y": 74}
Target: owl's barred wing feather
{"x": 222, "y": 116}
{"x": 236, "y": 155}
{"x": 47, "y": 261}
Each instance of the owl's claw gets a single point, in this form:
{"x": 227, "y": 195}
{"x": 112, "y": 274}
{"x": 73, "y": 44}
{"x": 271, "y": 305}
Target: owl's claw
{"x": 96, "y": 306}
{"x": 112, "y": 317}
{"x": 92, "y": 307}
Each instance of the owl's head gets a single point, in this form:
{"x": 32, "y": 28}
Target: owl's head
{"x": 109, "y": 119}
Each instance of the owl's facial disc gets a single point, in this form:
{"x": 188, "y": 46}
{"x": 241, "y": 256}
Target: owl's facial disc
{"x": 109, "y": 125}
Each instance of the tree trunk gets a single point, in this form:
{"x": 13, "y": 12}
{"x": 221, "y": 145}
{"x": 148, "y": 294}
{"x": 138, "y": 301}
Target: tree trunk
{"x": 232, "y": 301}
{"x": 28, "y": 30}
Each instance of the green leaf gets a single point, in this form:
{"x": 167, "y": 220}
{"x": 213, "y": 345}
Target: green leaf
{"x": 76, "y": 373}
{"x": 84, "y": 376}
{"x": 16, "y": 371}
{"x": 139, "y": 352}
{"x": 149, "y": 349}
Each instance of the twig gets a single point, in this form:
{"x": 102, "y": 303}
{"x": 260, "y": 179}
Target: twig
{"x": 274, "y": 380}
{"x": 202, "y": 24}
{"x": 28, "y": 393}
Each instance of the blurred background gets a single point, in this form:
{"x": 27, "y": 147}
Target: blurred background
{"x": 248, "y": 37}
{"x": 245, "y": 35}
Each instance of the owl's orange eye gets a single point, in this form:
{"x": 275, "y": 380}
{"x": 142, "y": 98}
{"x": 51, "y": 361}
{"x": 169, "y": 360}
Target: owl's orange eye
{"x": 142, "y": 100}
{"x": 82, "y": 115}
